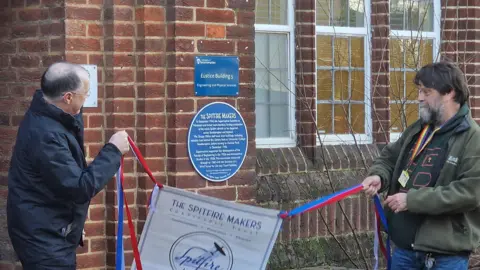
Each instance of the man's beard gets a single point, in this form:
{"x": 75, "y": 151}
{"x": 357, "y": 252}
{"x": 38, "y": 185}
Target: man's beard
{"x": 432, "y": 115}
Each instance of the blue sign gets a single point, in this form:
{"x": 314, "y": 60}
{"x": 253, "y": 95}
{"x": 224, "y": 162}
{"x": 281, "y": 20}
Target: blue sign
{"x": 217, "y": 141}
{"x": 216, "y": 75}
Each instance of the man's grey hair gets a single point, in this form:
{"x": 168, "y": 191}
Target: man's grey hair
{"x": 63, "y": 77}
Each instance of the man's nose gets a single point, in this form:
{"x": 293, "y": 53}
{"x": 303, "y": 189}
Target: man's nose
{"x": 421, "y": 97}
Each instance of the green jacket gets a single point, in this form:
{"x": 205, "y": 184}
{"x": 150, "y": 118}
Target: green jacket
{"x": 452, "y": 206}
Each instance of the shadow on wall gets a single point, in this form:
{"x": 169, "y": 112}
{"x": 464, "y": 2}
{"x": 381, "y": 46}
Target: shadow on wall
{"x": 6, "y": 252}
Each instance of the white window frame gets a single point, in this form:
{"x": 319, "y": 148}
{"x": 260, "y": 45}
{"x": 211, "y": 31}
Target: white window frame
{"x": 435, "y": 36}
{"x": 365, "y": 32}
{"x": 289, "y": 30}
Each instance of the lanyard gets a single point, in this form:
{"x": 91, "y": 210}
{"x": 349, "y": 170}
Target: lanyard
{"x": 422, "y": 141}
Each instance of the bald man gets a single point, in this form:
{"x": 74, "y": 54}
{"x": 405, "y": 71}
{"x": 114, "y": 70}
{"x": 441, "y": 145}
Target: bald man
{"x": 50, "y": 184}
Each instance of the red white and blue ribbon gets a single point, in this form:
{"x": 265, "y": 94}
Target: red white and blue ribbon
{"x": 122, "y": 201}
{"x": 380, "y": 218}
{"x": 321, "y": 202}
{"x": 120, "y": 258}
{"x": 310, "y": 206}
{"x": 340, "y": 195}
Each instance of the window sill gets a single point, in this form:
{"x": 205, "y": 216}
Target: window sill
{"x": 275, "y": 143}
{"x": 332, "y": 139}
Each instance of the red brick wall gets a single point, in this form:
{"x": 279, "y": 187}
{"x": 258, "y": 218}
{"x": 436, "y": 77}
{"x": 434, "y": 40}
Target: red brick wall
{"x": 127, "y": 43}
{"x": 380, "y": 58}
{"x": 305, "y": 70}
{"x": 31, "y": 38}
{"x": 144, "y": 53}
{"x": 460, "y": 43}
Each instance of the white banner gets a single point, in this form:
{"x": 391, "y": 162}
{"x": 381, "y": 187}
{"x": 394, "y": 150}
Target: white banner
{"x": 188, "y": 231}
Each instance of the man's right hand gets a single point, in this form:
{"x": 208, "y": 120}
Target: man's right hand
{"x": 372, "y": 184}
{"x": 120, "y": 140}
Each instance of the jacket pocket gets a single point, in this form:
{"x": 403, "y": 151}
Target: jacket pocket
{"x": 444, "y": 234}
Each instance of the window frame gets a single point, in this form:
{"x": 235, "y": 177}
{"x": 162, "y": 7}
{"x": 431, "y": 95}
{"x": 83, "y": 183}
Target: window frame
{"x": 435, "y": 36}
{"x": 341, "y": 31}
{"x": 289, "y": 30}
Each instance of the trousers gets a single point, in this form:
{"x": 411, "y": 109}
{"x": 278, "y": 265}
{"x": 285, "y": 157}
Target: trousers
{"x": 403, "y": 259}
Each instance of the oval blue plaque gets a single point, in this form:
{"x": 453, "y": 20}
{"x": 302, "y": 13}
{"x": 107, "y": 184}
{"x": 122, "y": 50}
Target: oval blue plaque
{"x": 217, "y": 141}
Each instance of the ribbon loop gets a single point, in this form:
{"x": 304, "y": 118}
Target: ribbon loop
{"x": 307, "y": 207}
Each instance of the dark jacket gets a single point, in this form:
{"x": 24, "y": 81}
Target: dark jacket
{"x": 50, "y": 185}
{"x": 451, "y": 208}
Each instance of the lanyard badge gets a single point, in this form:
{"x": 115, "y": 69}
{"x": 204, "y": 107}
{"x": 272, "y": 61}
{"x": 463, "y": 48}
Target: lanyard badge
{"x": 422, "y": 142}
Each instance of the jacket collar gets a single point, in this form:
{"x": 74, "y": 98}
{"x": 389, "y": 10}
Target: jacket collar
{"x": 40, "y": 106}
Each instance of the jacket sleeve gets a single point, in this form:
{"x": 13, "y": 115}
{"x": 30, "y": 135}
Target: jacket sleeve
{"x": 384, "y": 164}
{"x": 63, "y": 175}
{"x": 461, "y": 195}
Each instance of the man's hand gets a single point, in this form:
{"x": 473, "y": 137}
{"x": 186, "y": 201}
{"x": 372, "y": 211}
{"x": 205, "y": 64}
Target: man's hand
{"x": 120, "y": 140}
{"x": 397, "y": 202}
{"x": 372, "y": 184}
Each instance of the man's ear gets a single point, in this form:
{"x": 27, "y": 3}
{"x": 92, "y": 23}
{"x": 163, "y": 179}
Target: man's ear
{"x": 68, "y": 98}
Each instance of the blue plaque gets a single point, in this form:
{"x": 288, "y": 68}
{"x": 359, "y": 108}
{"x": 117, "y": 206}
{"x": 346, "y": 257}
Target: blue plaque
{"x": 217, "y": 141}
{"x": 216, "y": 75}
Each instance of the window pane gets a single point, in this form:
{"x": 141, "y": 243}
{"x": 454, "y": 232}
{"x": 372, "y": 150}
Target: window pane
{"x": 271, "y": 12}
{"x": 426, "y": 52}
{"x": 341, "y": 124}
{"x": 340, "y": 13}
{"x": 346, "y": 13}
{"x": 324, "y": 51}
{"x": 410, "y": 86}
{"x": 396, "y": 53}
{"x": 271, "y": 85}
{"x": 341, "y": 52}
{"x": 261, "y": 86}
{"x": 278, "y": 51}
{"x": 358, "y": 85}
{"x": 411, "y": 15}
{"x": 411, "y": 53}
{"x": 358, "y": 58}
{"x": 356, "y": 13}
{"x": 261, "y": 12}
{"x": 261, "y": 52}
{"x": 358, "y": 118}
{"x": 402, "y": 116}
{"x": 411, "y": 113}
{"x": 396, "y": 15}
{"x": 426, "y": 15}
{"x": 324, "y": 85}
{"x": 395, "y": 118}
{"x": 341, "y": 85}
{"x": 323, "y": 12}
{"x": 324, "y": 118}
{"x": 396, "y": 85}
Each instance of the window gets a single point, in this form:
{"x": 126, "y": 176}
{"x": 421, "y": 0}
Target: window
{"x": 414, "y": 42}
{"x": 343, "y": 71}
{"x": 274, "y": 73}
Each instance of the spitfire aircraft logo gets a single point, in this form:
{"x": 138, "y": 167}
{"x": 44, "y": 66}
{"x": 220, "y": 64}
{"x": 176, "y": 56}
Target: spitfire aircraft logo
{"x": 201, "y": 251}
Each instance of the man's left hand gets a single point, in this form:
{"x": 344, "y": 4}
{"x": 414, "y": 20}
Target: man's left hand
{"x": 397, "y": 202}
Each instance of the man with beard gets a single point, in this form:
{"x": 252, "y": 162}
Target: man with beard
{"x": 431, "y": 176}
